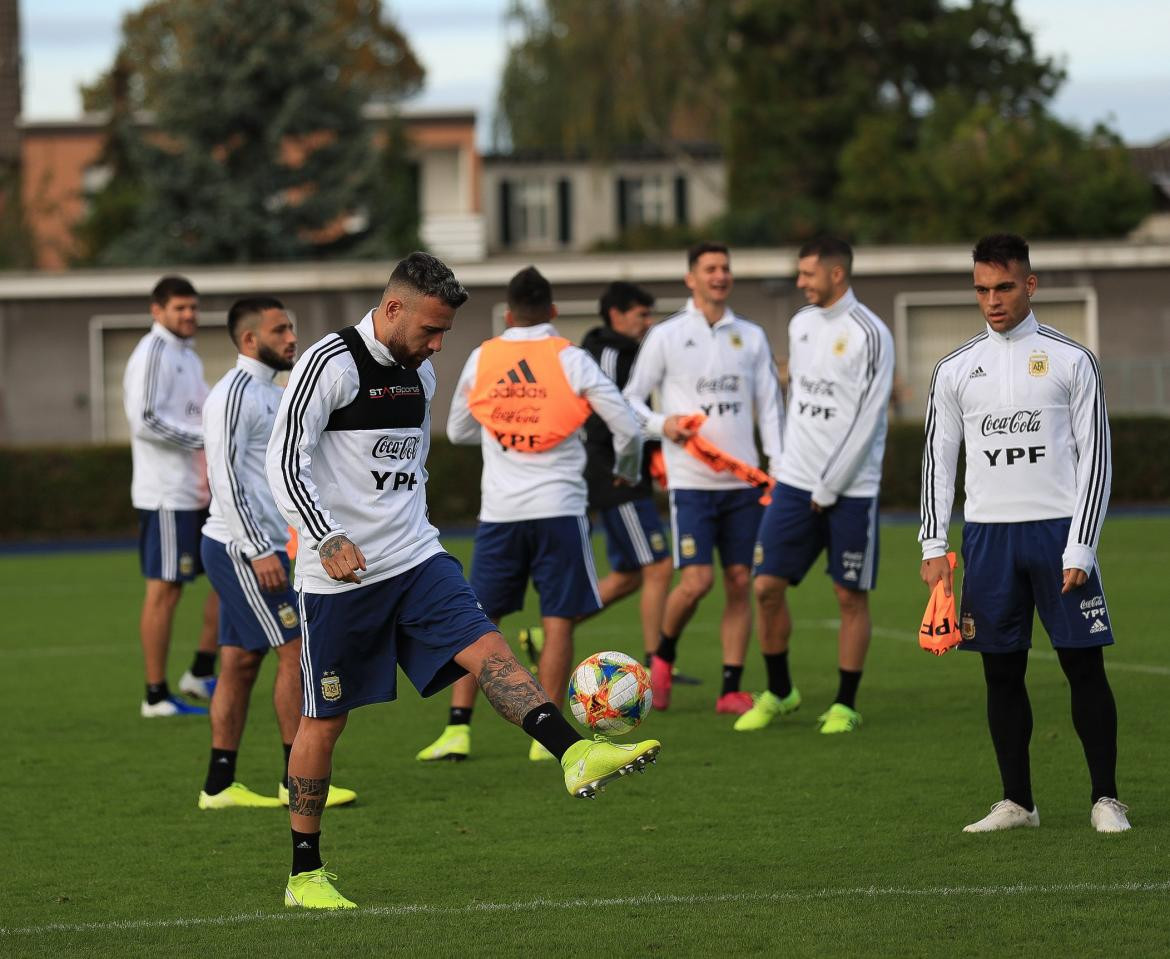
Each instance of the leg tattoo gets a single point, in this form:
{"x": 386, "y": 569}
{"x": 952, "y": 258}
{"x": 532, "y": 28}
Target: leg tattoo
{"x": 306, "y": 797}
{"x": 510, "y": 688}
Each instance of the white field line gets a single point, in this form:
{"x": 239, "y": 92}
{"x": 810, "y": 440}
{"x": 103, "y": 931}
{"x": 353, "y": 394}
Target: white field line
{"x": 532, "y": 905}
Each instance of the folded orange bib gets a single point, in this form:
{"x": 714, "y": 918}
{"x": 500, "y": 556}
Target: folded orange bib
{"x": 940, "y": 625}
{"x": 707, "y": 452}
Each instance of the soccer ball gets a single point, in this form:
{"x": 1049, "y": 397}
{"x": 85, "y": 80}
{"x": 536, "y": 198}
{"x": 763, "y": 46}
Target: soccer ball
{"x": 610, "y": 693}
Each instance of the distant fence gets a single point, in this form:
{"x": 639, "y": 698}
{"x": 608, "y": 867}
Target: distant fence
{"x": 53, "y": 492}
{"x": 1136, "y": 385}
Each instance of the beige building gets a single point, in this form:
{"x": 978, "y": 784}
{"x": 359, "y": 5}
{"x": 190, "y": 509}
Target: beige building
{"x": 64, "y": 338}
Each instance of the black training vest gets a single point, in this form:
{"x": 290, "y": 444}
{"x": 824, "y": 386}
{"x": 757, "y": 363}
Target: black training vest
{"x": 388, "y": 397}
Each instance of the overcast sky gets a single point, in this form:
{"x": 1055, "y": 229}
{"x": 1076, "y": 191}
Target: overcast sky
{"x": 1117, "y": 55}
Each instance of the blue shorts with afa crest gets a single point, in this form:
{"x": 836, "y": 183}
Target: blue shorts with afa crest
{"x": 1012, "y": 570}
{"x": 168, "y": 543}
{"x": 702, "y": 520}
{"x": 355, "y": 640}
{"x": 792, "y": 535}
{"x": 633, "y": 535}
{"x": 249, "y": 617}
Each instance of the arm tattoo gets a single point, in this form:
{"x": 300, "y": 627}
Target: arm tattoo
{"x": 510, "y": 688}
{"x": 333, "y": 547}
{"x": 306, "y": 797}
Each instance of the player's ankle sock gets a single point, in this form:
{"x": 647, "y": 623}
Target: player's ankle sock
{"x": 779, "y": 682}
{"x": 221, "y": 771}
{"x": 548, "y": 727}
{"x": 460, "y": 716}
{"x": 731, "y": 678}
{"x": 204, "y": 664}
{"x": 287, "y": 753}
{"x": 157, "y": 692}
{"x": 306, "y": 851}
{"x": 667, "y": 647}
{"x": 847, "y": 687}
{"x": 647, "y": 660}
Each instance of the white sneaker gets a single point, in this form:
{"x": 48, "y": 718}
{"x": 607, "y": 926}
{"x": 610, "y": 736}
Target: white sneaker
{"x": 1005, "y": 814}
{"x": 170, "y": 707}
{"x": 1108, "y": 815}
{"x": 200, "y": 687}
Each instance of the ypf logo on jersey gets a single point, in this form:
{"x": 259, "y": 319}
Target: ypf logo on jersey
{"x": 331, "y": 687}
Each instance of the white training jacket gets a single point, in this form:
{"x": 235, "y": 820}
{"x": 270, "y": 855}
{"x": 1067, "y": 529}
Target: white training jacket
{"x": 840, "y": 372}
{"x": 518, "y": 486}
{"x": 1028, "y": 406}
{"x": 163, "y": 393}
{"x": 725, "y": 371}
{"x": 237, "y": 423}
{"x": 330, "y": 482}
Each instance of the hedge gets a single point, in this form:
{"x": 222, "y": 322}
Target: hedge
{"x": 84, "y": 491}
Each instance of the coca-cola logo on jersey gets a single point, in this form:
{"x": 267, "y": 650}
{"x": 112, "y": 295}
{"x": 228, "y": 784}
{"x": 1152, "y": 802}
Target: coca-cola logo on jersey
{"x": 1021, "y": 421}
{"x": 817, "y": 387}
{"x": 392, "y": 448}
{"x": 727, "y": 383}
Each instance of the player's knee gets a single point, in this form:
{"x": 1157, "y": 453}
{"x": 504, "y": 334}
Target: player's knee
{"x": 658, "y": 572}
{"x": 852, "y": 602}
{"x": 770, "y": 591}
{"x": 1082, "y": 666}
{"x": 696, "y": 582}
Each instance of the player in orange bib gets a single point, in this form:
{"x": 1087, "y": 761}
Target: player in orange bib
{"x": 523, "y": 398}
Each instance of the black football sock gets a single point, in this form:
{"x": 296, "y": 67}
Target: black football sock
{"x": 779, "y": 682}
{"x": 1094, "y": 714}
{"x": 847, "y": 688}
{"x": 460, "y": 716}
{"x": 1009, "y": 718}
{"x": 731, "y": 677}
{"x": 646, "y": 660}
{"x": 306, "y": 851}
{"x": 157, "y": 692}
{"x": 667, "y": 647}
{"x": 287, "y": 753}
{"x": 548, "y": 727}
{"x": 221, "y": 771}
{"x": 204, "y": 665}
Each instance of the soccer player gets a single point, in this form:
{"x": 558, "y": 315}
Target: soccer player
{"x": 524, "y": 397}
{"x": 243, "y": 552}
{"x": 840, "y": 371}
{"x": 635, "y": 543}
{"x": 347, "y": 466}
{"x": 163, "y": 392}
{"x": 706, "y": 359}
{"x": 1027, "y": 404}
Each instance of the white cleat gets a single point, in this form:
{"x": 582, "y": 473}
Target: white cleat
{"x": 1005, "y": 814}
{"x": 198, "y": 687}
{"x": 1108, "y": 815}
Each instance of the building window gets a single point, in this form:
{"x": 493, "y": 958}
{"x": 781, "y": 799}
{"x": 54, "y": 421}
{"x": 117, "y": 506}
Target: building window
{"x": 532, "y": 211}
{"x": 644, "y": 201}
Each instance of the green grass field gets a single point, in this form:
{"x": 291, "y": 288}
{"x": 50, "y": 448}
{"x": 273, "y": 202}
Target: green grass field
{"x": 781, "y": 843}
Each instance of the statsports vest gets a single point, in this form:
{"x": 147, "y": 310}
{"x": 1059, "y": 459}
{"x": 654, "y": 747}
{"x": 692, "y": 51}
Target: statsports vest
{"x": 521, "y": 394}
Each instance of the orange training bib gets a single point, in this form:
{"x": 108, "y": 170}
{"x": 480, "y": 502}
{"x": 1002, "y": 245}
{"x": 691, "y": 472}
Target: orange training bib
{"x": 521, "y": 394}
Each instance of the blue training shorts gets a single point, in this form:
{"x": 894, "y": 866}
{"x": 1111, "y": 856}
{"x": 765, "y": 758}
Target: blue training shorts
{"x": 1011, "y": 570}
{"x": 792, "y": 535}
{"x": 354, "y": 641}
{"x": 168, "y": 543}
{"x": 556, "y": 552}
{"x": 249, "y": 617}
{"x": 702, "y": 520}
{"x": 633, "y": 535}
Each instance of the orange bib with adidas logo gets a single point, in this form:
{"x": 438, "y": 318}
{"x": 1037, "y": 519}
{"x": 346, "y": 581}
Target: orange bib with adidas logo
{"x": 521, "y": 394}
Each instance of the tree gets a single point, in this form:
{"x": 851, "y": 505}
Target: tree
{"x": 895, "y": 122}
{"x": 156, "y": 41}
{"x": 592, "y": 78}
{"x": 258, "y": 150}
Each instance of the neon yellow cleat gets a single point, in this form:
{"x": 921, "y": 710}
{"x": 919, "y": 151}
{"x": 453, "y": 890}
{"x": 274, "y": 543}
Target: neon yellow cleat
{"x": 767, "y": 706}
{"x": 314, "y": 890}
{"x": 338, "y": 795}
{"x": 589, "y": 765}
{"x": 537, "y": 753}
{"x": 237, "y": 795}
{"x": 839, "y": 718}
{"x": 454, "y": 743}
{"x": 532, "y": 643}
